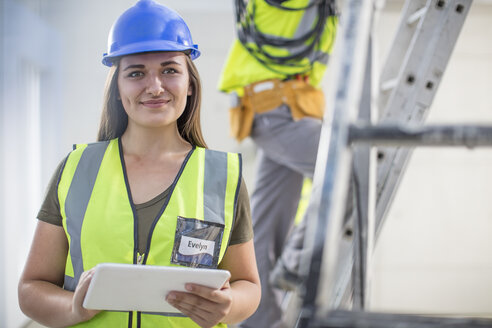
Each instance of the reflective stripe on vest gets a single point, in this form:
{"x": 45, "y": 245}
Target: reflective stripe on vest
{"x": 76, "y": 203}
{"x": 100, "y": 223}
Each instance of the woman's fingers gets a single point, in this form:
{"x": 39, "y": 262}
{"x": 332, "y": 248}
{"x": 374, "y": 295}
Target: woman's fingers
{"x": 79, "y": 295}
{"x": 215, "y": 295}
{"x": 196, "y": 312}
{"x": 206, "y": 306}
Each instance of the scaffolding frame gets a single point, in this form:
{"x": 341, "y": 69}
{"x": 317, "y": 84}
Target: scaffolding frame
{"x": 333, "y": 292}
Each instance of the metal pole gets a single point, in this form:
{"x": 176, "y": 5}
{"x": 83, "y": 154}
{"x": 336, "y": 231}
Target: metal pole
{"x": 397, "y": 135}
{"x": 331, "y": 176}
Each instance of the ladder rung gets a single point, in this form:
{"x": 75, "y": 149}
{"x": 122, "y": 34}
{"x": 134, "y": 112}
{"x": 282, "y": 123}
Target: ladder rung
{"x": 400, "y": 135}
{"x": 389, "y": 84}
{"x": 416, "y": 16}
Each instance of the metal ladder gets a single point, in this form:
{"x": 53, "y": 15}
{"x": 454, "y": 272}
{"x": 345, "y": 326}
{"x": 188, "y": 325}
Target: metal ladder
{"x": 334, "y": 288}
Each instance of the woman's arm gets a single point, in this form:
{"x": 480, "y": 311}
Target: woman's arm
{"x": 41, "y": 296}
{"x": 240, "y": 260}
{"x": 236, "y": 301}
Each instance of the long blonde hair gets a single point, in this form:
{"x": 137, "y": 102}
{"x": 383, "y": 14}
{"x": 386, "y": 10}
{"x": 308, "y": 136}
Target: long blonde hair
{"x": 114, "y": 119}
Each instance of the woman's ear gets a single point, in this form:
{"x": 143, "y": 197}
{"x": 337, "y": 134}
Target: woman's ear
{"x": 190, "y": 90}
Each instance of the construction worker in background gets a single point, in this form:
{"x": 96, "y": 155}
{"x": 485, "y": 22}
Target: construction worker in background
{"x": 273, "y": 73}
{"x": 140, "y": 193}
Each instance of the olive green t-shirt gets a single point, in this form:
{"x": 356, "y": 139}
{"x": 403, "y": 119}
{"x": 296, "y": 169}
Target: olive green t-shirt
{"x": 242, "y": 230}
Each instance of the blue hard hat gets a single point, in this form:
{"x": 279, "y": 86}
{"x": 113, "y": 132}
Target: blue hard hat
{"x": 149, "y": 26}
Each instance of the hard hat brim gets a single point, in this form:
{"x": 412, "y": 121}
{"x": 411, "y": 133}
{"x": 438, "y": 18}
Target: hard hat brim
{"x": 150, "y": 46}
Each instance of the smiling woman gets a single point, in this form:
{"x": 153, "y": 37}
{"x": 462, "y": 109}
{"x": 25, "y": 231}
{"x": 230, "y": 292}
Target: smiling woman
{"x": 154, "y": 88}
{"x": 143, "y": 191}
{"x": 114, "y": 118}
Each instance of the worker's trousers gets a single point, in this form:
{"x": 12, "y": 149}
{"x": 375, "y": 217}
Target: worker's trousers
{"x": 287, "y": 152}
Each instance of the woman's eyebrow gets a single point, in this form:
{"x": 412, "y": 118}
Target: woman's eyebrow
{"x": 134, "y": 66}
{"x": 169, "y": 62}
{"x": 140, "y": 66}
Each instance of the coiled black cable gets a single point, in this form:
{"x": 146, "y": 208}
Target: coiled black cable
{"x": 306, "y": 44}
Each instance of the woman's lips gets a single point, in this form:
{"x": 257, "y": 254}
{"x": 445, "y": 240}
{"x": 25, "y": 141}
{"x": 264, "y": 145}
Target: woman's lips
{"x": 155, "y": 103}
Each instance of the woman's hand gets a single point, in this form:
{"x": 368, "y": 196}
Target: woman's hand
{"x": 41, "y": 293}
{"x": 205, "y": 306}
{"x": 234, "y": 302}
{"x": 78, "y": 311}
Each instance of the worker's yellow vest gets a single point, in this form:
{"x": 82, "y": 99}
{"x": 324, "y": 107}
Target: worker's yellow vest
{"x": 99, "y": 221}
{"x": 243, "y": 69}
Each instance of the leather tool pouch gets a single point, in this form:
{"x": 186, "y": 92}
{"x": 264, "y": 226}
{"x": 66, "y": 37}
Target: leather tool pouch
{"x": 305, "y": 100}
{"x": 241, "y": 121}
{"x": 260, "y": 97}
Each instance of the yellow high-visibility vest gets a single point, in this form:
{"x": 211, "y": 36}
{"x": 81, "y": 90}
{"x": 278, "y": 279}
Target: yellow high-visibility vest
{"x": 100, "y": 224}
{"x": 242, "y": 69}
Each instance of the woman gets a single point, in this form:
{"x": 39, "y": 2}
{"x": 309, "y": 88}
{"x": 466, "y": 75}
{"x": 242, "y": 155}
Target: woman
{"x": 147, "y": 185}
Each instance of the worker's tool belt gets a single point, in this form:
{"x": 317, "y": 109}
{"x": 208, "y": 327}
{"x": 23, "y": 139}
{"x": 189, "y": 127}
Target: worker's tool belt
{"x": 260, "y": 97}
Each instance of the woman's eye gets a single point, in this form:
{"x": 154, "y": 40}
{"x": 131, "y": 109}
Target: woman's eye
{"x": 135, "y": 74}
{"x": 169, "y": 71}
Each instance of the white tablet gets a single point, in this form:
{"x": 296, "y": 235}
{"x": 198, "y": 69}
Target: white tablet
{"x": 131, "y": 287}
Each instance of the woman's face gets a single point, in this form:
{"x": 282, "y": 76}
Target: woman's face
{"x": 153, "y": 87}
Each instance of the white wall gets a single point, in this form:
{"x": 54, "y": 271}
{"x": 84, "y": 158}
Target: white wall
{"x": 29, "y": 117}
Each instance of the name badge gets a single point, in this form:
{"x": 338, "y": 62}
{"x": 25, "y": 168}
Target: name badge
{"x": 197, "y": 243}
{"x": 195, "y": 246}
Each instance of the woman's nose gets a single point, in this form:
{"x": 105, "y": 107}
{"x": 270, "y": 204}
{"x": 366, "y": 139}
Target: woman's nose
{"x": 154, "y": 86}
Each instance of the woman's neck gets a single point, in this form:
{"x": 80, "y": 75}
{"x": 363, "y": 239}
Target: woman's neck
{"x": 153, "y": 142}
